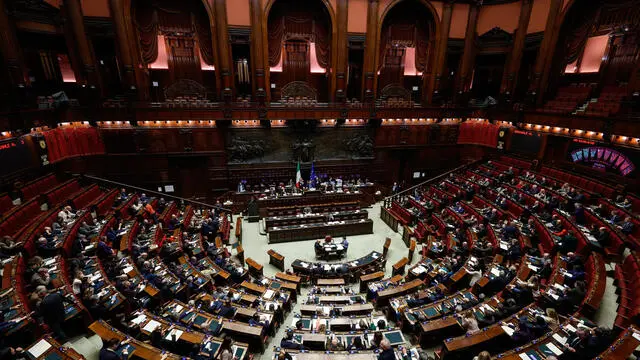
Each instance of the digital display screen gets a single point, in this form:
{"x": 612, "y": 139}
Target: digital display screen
{"x": 15, "y": 155}
{"x": 525, "y": 142}
{"x": 602, "y": 159}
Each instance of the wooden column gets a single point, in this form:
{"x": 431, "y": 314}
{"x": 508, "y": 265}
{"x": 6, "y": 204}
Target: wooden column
{"x": 342, "y": 51}
{"x": 122, "y": 42}
{"x": 511, "y": 71}
{"x": 224, "y": 50}
{"x": 465, "y": 70}
{"x": 10, "y": 49}
{"x": 634, "y": 79}
{"x": 257, "y": 51}
{"x": 370, "y": 52}
{"x": 89, "y": 71}
{"x": 545, "y": 54}
{"x": 441, "y": 52}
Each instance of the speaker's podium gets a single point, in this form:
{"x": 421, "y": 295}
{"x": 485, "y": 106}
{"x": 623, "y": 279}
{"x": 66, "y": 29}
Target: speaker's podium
{"x": 252, "y": 211}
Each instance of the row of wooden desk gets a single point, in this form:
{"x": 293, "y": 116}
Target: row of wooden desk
{"x": 373, "y": 260}
{"x": 314, "y": 218}
{"x": 320, "y": 230}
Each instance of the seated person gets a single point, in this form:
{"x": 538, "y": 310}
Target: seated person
{"x": 568, "y": 243}
{"x": 627, "y": 226}
{"x": 335, "y": 345}
{"x": 615, "y": 217}
{"x": 579, "y": 215}
{"x": 8, "y": 246}
{"x": 603, "y": 238}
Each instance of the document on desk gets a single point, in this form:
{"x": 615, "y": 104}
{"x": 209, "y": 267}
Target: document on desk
{"x": 151, "y": 325}
{"x": 127, "y": 269}
{"x": 139, "y": 319}
{"x": 509, "y": 331}
{"x": 524, "y": 356}
{"x": 636, "y": 335}
{"x": 48, "y": 262}
{"x": 268, "y": 294}
{"x": 175, "y": 332}
{"x": 39, "y": 348}
{"x": 561, "y": 339}
{"x": 554, "y": 349}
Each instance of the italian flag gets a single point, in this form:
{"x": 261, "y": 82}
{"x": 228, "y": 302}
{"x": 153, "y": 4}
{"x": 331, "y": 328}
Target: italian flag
{"x": 298, "y": 175}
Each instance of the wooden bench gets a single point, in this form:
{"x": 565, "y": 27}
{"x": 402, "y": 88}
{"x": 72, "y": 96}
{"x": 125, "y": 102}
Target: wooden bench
{"x": 276, "y": 259}
{"x": 255, "y": 269}
{"x": 239, "y": 229}
{"x": 398, "y": 268}
{"x": 367, "y": 278}
{"x": 294, "y": 279}
{"x": 240, "y": 254}
{"x": 385, "y": 248}
{"x": 412, "y": 249}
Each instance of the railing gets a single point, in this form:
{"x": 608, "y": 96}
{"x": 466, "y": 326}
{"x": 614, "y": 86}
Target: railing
{"x": 164, "y": 195}
{"x": 404, "y": 193}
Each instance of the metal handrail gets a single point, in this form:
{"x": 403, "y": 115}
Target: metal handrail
{"x": 164, "y": 195}
{"x": 387, "y": 201}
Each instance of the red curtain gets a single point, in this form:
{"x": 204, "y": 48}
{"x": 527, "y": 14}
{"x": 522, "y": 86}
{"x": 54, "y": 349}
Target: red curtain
{"x": 406, "y": 25}
{"x": 296, "y": 62}
{"x": 478, "y": 134}
{"x": 203, "y": 32}
{"x": 299, "y": 20}
{"x": 147, "y": 24}
{"x": 186, "y": 19}
{"x": 63, "y": 143}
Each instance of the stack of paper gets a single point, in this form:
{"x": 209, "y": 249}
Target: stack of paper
{"x": 151, "y": 325}
{"x": 39, "y": 348}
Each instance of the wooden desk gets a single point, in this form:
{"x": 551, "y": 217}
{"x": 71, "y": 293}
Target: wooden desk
{"x": 311, "y": 198}
{"x": 276, "y": 259}
{"x": 320, "y": 230}
{"x": 624, "y": 346}
{"x": 330, "y": 282}
{"x": 245, "y": 331}
{"x": 367, "y": 278}
{"x": 412, "y": 249}
{"x": 253, "y": 288}
{"x": 373, "y": 260}
{"x": 140, "y": 349}
{"x": 54, "y": 350}
{"x": 240, "y": 253}
{"x": 398, "y": 268}
{"x": 255, "y": 269}
{"x": 385, "y": 248}
{"x": 385, "y": 295}
{"x": 294, "y": 279}
{"x": 356, "y": 309}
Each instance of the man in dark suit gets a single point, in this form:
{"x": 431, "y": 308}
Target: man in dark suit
{"x": 627, "y": 226}
{"x": 579, "y": 214}
{"x": 52, "y": 312}
{"x": 603, "y": 237}
{"x": 108, "y": 351}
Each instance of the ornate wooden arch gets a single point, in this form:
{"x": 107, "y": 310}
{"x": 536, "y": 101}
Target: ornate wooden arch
{"x": 185, "y": 87}
{"x": 395, "y": 91}
{"x": 435, "y": 26}
{"x": 299, "y": 88}
{"x": 334, "y": 43}
{"x": 132, "y": 38}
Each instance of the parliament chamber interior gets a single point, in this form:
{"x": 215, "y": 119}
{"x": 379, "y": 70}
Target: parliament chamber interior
{"x": 319, "y": 179}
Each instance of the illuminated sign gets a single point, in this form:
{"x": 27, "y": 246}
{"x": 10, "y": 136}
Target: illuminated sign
{"x": 603, "y": 158}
